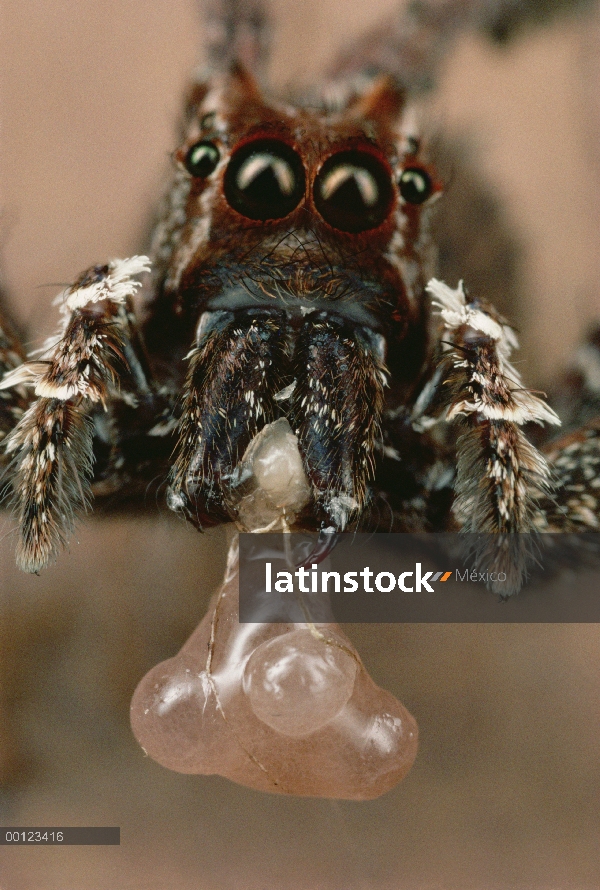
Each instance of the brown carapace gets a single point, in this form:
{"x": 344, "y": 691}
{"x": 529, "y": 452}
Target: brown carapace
{"x": 288, "y": 277}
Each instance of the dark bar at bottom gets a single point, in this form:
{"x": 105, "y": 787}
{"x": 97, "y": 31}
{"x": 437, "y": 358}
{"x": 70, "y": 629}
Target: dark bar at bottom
{"x": 39, "y": 837}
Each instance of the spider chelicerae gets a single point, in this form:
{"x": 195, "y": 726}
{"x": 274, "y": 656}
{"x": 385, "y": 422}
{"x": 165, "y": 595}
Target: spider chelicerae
{"x": 288, "y": 278}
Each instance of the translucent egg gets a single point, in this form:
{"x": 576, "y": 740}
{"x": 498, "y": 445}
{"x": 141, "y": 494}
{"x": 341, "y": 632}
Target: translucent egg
{"x": 273, "y": 466}
{"x": 297, "y": 682}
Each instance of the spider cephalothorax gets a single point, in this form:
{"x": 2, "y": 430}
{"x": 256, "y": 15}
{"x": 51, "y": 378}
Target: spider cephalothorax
{"x": 289, "y": 280}
{"x": 301, "y": 263}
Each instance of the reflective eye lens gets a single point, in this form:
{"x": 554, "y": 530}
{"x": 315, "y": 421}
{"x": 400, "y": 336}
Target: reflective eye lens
{"x": 202, "y": 158}
{"x": 353, "y": 191}
{"x": 264, "y": 180}
{"x": 415, "y": 185}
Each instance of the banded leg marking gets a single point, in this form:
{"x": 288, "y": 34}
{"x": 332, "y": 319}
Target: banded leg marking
{"x": 501, "y": 477}
{"x": 51, "y": 446}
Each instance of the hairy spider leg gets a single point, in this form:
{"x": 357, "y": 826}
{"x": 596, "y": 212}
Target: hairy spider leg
{"x": 574, "y": 460}
{"x": 501, "y": 476}
{"x": 52, "y": 444}
{"x": 575, "y": 456}
{"x": 237, "y": 32}
{"x": 14, "y": 401}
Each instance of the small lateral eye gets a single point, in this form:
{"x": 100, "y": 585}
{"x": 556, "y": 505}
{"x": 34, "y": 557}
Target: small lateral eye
{"x": 415, "y": 185}
{"x": 202, "y": 158}
{"x": 353, "y": 191}
{"x": 264, "y": 180}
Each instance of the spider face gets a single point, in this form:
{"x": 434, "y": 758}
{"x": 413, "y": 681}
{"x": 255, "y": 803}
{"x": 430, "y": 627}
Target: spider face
{"x": 303, "y": 250}
{"x": 303, "y": 204}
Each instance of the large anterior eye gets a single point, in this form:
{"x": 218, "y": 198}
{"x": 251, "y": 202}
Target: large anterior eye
{"x": 264, "y": 180}
{"x": 353, "y": 191}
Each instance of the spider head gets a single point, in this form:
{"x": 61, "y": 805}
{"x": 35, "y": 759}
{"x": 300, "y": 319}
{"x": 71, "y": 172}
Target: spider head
{"x": 302, "y": 205}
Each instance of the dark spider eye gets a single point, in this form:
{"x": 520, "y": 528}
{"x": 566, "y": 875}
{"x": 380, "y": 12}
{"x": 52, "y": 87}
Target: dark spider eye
{"x": 264, "y": 180}
{"x": 415, "y": 185}
{"x": 202, "y": 158}
{"x": 353, "y": 191}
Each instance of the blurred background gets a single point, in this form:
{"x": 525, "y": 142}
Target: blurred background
{"x": 505, "y": 791}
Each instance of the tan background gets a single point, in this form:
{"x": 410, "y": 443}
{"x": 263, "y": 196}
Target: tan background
{"x": 506, "y": 788}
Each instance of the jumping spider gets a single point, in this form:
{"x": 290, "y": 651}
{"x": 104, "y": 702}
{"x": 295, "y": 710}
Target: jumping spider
{"x": 289, "y": 278}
